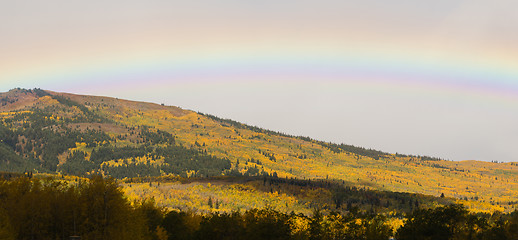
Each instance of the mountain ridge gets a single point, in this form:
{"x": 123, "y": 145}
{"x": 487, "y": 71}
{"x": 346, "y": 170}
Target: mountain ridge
{"x": 154, "y": 133}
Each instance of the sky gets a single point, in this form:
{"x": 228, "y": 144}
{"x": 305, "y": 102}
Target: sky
{"x": 436, "y": 78}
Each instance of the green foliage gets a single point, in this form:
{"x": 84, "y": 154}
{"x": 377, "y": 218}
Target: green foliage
{"x": 156, "y": 137}
{"x": 85, "y": 116}
{"x": 10, "y": 161}
{"x": 176, "y": 160}
{"x": 76, "y": 164}
{"x": 39, "y": 145}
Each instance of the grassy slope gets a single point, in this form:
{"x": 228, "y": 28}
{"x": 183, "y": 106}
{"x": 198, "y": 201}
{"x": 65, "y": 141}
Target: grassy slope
{"x": 296, "y": 157}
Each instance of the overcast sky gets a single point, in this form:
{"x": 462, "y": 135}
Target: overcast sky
{"x": 436, "y": 78}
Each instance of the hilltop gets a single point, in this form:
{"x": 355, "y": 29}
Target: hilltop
{"x": 46, "y": 131}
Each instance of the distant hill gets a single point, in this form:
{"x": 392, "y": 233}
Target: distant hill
{"x": 45, "y": 131}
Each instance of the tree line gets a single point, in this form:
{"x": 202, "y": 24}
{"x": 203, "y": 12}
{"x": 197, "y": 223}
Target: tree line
{"x": 337, "y": 148}
{"x": 96, "y": 208}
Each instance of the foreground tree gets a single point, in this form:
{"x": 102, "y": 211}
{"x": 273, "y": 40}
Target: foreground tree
{"x": 440, "y": 223}
{"x": 53, "y": 209}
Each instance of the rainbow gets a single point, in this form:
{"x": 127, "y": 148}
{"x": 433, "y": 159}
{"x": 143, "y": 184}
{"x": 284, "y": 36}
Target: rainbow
{"x": 445, "y": 76}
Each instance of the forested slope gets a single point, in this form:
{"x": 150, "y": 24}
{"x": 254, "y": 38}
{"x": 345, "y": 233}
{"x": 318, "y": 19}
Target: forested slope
{"x": 46, "y": 131}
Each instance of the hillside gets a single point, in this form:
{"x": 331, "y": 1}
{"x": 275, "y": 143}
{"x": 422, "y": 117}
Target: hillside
{"x": 46, "y": 131}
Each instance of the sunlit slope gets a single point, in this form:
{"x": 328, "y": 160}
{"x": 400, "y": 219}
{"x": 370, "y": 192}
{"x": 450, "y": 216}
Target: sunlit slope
{"x": 252, "y": 150}
{"x": 286, "y": 195}
{"x": 295, "y": 157}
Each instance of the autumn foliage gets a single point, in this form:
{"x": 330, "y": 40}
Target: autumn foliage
{"x": 43, "y": 131}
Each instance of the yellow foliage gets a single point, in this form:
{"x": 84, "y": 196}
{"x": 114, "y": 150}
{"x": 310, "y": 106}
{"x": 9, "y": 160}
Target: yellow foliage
{"x": 13, "y": 113}
{"x": 299, "y": 224}
{"x": 229, "y": 197}
{"x": 294, "y": 157}
{"x": 147, "y": 159}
